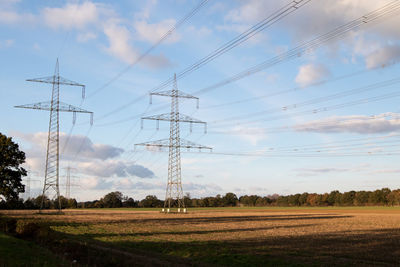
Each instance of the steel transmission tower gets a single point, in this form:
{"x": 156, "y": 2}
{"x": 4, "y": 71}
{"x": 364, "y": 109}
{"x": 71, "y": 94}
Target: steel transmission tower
{"x": 28, "y": 187}
{"x": 29, "y": 180}
{"x": 52, "y": 172}
{"x": 68, "y": 183}
{"x": 174, "y": 144}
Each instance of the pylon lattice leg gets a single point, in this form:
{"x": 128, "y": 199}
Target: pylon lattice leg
{"x": 174, "y": 190}
{"x": 51, "y": 178}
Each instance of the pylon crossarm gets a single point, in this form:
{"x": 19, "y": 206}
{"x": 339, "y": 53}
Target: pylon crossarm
{"x": 167, "y": 117}
{"x": 188, "y": 144}
{"x": 157, "y": 143}
{"x": 47, "y": 106}
{"x": 164, "y": 143}
{"x": 55, "y": 79}
{"x": 170, "y": 93}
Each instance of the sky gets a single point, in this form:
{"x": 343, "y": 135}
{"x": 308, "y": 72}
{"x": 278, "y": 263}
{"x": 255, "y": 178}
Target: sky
{"x": 325, "y": 118}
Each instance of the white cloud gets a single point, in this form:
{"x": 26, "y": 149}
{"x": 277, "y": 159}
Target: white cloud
{"x": 385, "y": 171}
{"x": 252, "y": 135}
{"x": 87, "y": 149}
{"x": 317, "y": 171}
{"x": 93, "y": 160}
{"x": 201, "y": 190}
{"x": 199, "y": 32}
{"x": 71, "y": 15}
{"x": 311, "y": 73}
{"x": 383, "y": 56}
{"x": 10, "y": 16}
{"x": 361, "y": 124}
{"x": 95, "y": 183}
{"x": 153, "y": 32}
{"x": 156, "y": 61}
{"x": 119, "y": 46}
{"x": 119, "y": 37}
{"x": 144, "y": 13}
{"x": 85, "y": 37}
{"x": 114, "y": 168}
{"x": 90, "y": 18}
{"x": 7, "y": 43}
{"x": 129, "y": 184}
{"x": 325, "y": 15}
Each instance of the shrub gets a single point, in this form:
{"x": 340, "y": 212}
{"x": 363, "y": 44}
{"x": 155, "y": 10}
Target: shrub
{"x": 26, "y": 228}
{"x": 8, "y": 225}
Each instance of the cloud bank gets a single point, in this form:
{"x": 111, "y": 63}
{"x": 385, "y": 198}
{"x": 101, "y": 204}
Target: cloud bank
{"x": 360, "y": 124}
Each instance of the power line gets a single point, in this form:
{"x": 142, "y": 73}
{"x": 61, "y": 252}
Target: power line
{"x": 270, "y": 20}
{"x": 321, "y": 109}
{"x": 244, "y": 36}
{"x": 165, "y": 36}
{"x": 269, "y": 130}
{"x": 316, "y": 100}
{"x": 298, "y": 88}
{"x": 311, "y": 154}
{"x": 315, "y": 155}
{"x": 311, "y": 45}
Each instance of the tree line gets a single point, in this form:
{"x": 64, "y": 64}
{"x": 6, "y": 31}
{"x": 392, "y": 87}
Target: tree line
{"x": 11, "y": 173}
{"x": 380, "y": 197}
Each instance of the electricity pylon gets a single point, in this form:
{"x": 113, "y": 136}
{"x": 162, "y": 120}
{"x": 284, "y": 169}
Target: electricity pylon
{"x": 68, "y": 181}
{"x": 52, "y": 172}
{"x": 28, "y": 184}
{"x": 174, "y": 144}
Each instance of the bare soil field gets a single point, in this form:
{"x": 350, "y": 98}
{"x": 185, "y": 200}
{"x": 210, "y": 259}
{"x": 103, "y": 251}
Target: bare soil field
{"x": 230, "y": 236}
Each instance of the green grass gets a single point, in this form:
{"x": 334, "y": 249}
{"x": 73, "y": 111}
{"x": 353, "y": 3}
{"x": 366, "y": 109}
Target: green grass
{"x": 17, "y": 252}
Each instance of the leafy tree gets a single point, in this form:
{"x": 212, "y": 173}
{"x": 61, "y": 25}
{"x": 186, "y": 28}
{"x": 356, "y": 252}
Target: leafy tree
{"x": 293, "y": 200}
{"x": 46, "y": 202}
{"x": 379, "y": 197}
{"x": 112, "y": 200}
{"x": 393, "y": 197}
{"x": 72, "y": 204}
{"x": 97, "y": 204}
{"x": 10, "y": 171}
{"x": 229, "y": 200}
{"x": 30, "y": 204}
{"x": 215, "y": 201}
{"x": 324, "y": 199}
{"x": 361, "y": 198}
{"x": 334, "y": 198}
{"x": 282, "y": 201}
{"x": 129, "y": 203}
{"x": 187, "y": 200}
{"x": 151, "y": 202}
{"x": 314, "y": 199}
{"x": 303, "y": 199}
{"x": 262, "y": 202}
{"x": 347, "y": 198}
{"x": 64, "y": 203}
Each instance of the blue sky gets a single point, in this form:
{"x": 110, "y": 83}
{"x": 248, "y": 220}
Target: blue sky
{"x": 335, "y": 127}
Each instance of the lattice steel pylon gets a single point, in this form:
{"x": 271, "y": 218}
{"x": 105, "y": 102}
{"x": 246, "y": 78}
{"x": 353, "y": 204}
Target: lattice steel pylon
{"x": 68, "y": 183}
{"x": 174, "y": 144}
{"x": 52, "y": 172}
